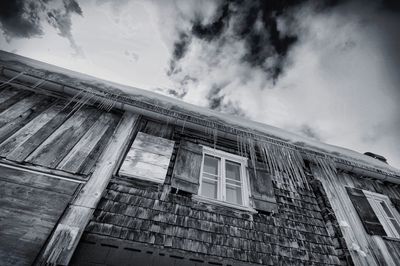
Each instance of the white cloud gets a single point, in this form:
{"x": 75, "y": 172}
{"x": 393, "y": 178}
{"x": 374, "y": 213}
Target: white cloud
{"x": 339, "y": 82}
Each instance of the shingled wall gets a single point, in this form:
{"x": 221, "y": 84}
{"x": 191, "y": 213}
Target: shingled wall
{"x": 152, "y": 216}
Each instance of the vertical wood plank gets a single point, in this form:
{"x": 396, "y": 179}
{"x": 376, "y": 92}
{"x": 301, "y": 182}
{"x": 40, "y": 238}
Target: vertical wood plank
{"x": 30, "y": 205}
{"x": 54, "y": 149}
{"x": 23, "y": 150}
{"x": 93, "y": 189}
{"x": 159, "y": 129}
{"x": 37, "y": 104}
{"x": 90, "y": 161}
{"x": 76, "y": 157}
{"x": 23, "y": 134}
{"x": 7, "y": 93}
{"x": 19, "y": 108}
{"x": 65, "y": 238}
{"x": 14, "y": 99}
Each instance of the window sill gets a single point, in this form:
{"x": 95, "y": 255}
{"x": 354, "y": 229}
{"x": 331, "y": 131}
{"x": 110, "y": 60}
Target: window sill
{"x": 223, "y": 203}
{"x": 145, "y": 179}
{"x": 391, "y": 238}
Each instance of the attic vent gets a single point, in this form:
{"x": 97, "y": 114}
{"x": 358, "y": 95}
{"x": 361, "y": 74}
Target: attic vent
{"x": 376, "y": 156}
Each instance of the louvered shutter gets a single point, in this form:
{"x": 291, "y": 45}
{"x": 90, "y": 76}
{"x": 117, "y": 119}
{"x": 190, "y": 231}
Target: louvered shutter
{"x": 187, "y": 167}
{"x": 262, "y": 190}
{"x": 365, "y": 212}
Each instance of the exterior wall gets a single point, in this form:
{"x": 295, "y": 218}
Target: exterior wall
{"x": 48, "y": 149}
{"x": 140, "y": 216}
{"x": 364, "y": 248}
{"x": 30, "y": 206}
{"x": 50, "y": 133}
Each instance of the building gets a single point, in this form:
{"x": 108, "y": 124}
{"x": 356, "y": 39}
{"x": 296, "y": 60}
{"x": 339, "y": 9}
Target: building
{"x": 96, "y": 173}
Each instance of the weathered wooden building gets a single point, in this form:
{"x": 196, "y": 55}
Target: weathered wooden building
{"x": 96, "y": 173}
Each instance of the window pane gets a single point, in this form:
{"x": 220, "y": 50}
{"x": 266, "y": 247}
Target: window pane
{"x": 385, "y": 207}
{"x": 233, "y": 170}
{"x": 210, "y": 165}
{"x": 396, "y": 225}
{"x": 234, "y": 194}
{"x": 233, "y": 182}
{"x": 213, "y": 177}
{"x": 209, "y": 189}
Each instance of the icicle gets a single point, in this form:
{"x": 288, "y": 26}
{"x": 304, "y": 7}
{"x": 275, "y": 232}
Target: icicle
{"x": 81, "y": 102}
{"x": 327, "y": 166}
{"x": 252, "y": 150}
{"x": 285, "y": 163}
{"x": 238, "y": 144}
{"x": 215, "y": 135}
{"x": 73, "y": 99}
{"x": 8, "y": 81}
{"x": 183, "y": 124}
{"x": 40, "y": 82}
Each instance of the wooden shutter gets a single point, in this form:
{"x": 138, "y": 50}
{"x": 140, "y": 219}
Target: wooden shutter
{"x": 396, "y": 203}
{"x": 365, "y": 212}
{"x": 187, "y": 167}
{"x": 262, "y": 190}
{"x": 148, "y": 158}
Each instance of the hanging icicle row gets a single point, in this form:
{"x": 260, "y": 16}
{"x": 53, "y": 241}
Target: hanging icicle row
{"x": 85, "y": 97}
{"x": 13, "y": 78}
{"x": 252, "y": 149}
{"x": 327, "y": 166}
{"x": 183, "y": 124}
{"x": 286, "y": 164}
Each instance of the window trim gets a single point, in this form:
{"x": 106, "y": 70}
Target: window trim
{"x": 221, "y": 187}
{"x": 385, "y": 222}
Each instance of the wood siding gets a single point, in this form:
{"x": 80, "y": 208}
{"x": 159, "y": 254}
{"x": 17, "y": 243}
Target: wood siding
{"x": 143, "y": 217}
{"x": 365, "y": 249}
{"x": 30, "y": 206}
{"x": 44, "y": 131}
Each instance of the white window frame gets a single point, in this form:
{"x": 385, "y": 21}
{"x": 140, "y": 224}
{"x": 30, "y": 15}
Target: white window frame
{"x": 221, "y": 187}
{"x": 374, "y": 200}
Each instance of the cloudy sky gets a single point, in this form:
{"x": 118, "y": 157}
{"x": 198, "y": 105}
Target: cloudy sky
{"x": 326, "y": 69}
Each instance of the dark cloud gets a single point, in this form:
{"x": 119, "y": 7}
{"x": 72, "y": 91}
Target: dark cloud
{"x": 182, "y": 89}
{"x": 24, "y": 18}
{"x": 172, "y": 92}
{"x": 218, "y": 101}
{"x": 71, "y": 6}
{"x": 180, "y": 48}
{"x": 60, "y": 19}
{"x": 391, "y": 5}
{"x": 20, "y": 18}
{"x": 213, "y": 30}
{"x": 215, "y": 97}
{"x": 253, "y": 22}
{"x": 256, "y": 23}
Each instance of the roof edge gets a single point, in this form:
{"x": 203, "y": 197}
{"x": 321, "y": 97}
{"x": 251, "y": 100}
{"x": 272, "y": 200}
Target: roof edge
{"x": 181, "y": 111}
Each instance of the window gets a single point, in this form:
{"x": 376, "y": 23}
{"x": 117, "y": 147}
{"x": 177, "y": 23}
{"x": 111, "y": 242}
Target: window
{"x": 223, "y": 177}
{"x": 386, "y": 213}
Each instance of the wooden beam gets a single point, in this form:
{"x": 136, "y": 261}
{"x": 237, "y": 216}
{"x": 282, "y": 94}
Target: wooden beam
{"x": 65, "y": 238}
